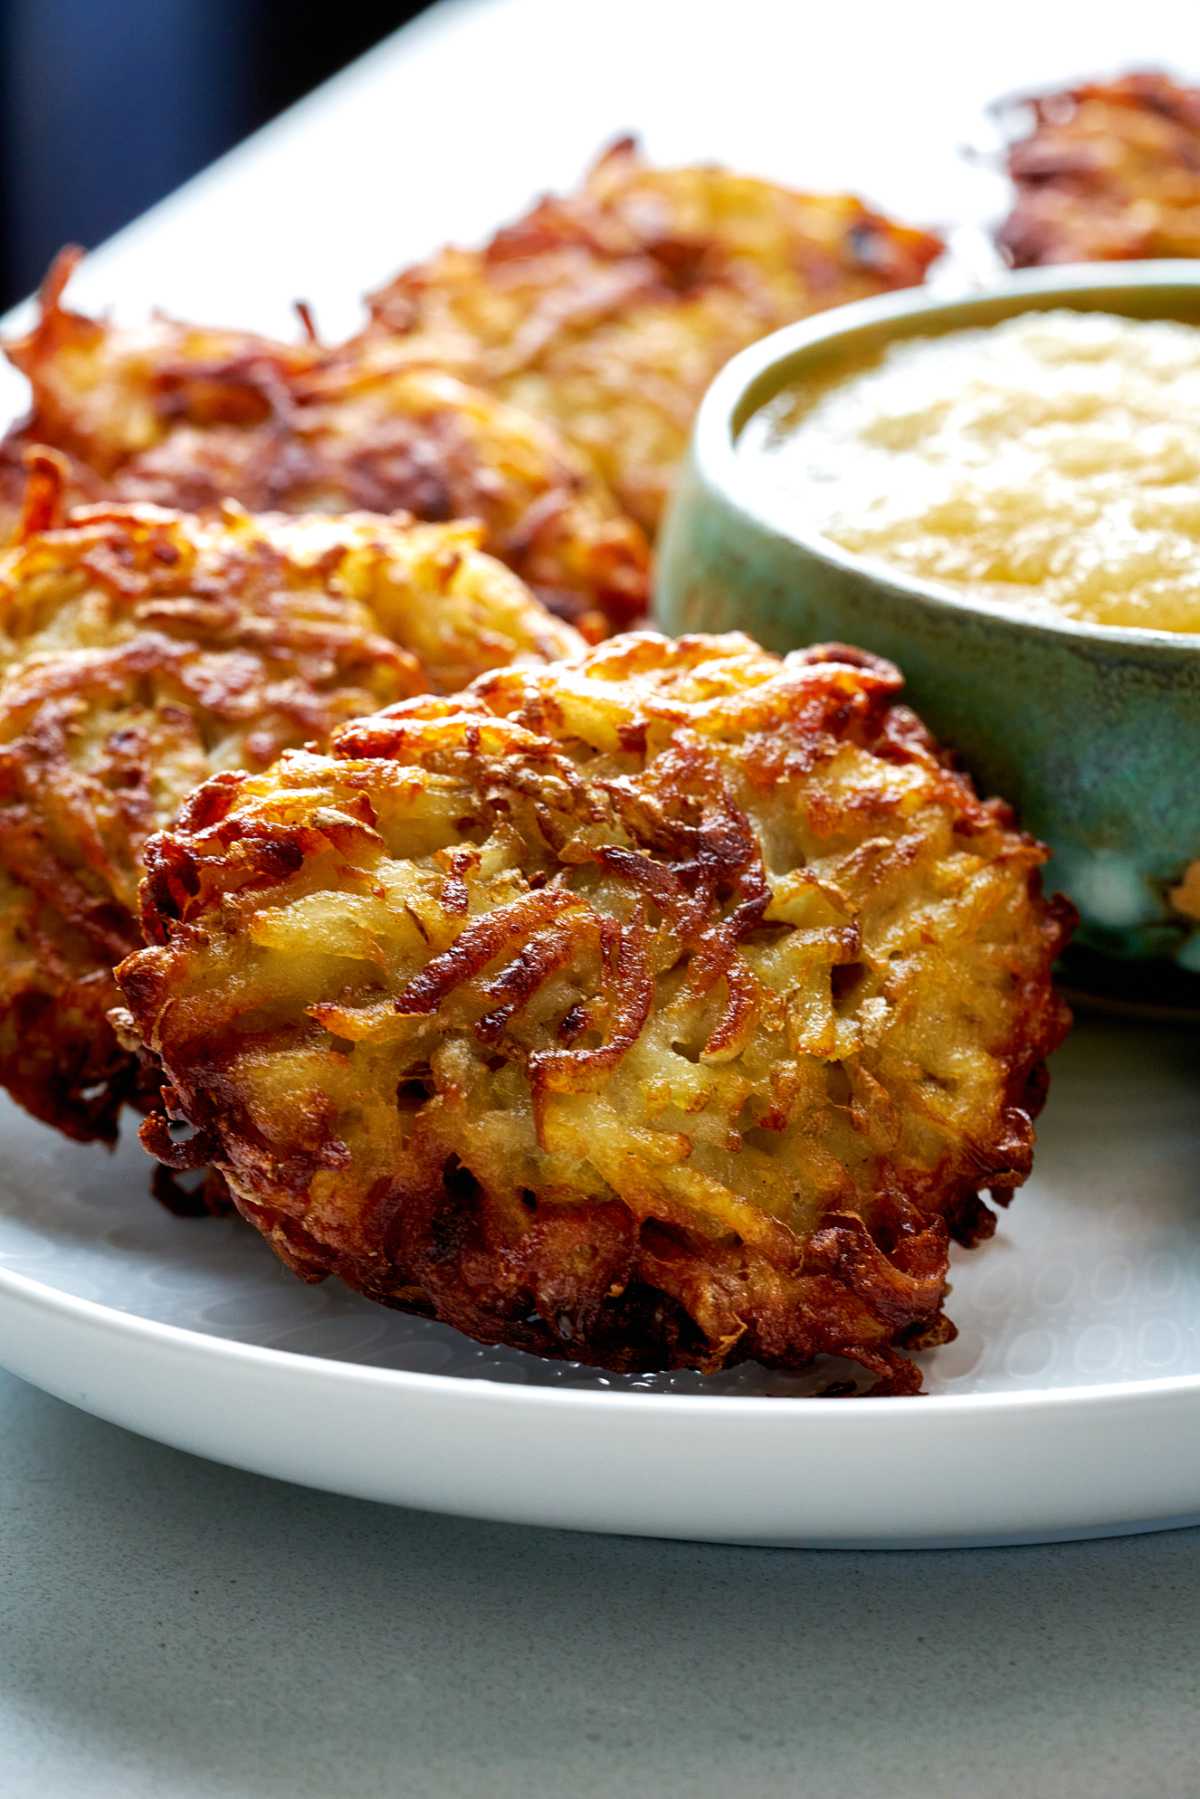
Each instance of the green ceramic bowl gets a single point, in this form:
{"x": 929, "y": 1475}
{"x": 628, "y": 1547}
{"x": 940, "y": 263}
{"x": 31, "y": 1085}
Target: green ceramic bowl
{"x": 1093, "y": 732}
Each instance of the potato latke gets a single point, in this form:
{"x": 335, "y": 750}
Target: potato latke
{"x": 663, "y": 1007}
{"x": 142, "y": 651}
{"x": 184, "y": 416}
{"x": 1109, "y": 171}
{"x": 610, "y": 311}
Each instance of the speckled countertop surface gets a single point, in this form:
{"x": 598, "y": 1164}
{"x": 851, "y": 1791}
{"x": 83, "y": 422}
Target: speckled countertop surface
{"x": 169, "y": 1627}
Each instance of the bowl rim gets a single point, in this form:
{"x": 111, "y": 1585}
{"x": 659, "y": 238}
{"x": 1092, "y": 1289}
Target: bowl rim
{"x": 727, "y": 404}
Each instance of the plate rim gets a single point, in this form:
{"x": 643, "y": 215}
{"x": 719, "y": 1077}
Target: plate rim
{"x": 135, "y": 1327}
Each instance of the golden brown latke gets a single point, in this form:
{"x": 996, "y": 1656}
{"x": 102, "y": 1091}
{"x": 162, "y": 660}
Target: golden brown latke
{"x": 184, "y": 416}
{"x": 1110, "y": 171}
{"x": 664, "y": 1007}
{"x": 610, "y": 311}
{"x": 142, "y": 651}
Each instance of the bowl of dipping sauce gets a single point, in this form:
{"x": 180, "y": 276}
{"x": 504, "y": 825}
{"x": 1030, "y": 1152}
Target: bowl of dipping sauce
{"x": 1001, "y": 494}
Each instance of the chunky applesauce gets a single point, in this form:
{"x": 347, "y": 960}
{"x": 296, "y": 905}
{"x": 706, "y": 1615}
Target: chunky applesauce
{"x": 1049, "y": 463}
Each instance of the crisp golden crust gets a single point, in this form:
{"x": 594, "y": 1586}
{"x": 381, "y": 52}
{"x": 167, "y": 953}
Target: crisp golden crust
{"x": 58, "y": 1055}
{"x": 669, "y": 1006}
{"x": 1108, "y": 171}
{"x": 186, "y": 417}
{"x": 105, "y": 394}
{"x": 610, "y": 311}
{"x": 140, "y": 653}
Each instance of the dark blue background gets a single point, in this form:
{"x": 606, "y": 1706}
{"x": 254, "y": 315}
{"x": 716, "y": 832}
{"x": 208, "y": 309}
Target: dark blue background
{"x": 107, "y": 105}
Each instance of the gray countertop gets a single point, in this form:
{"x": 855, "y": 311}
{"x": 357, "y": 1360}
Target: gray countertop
{"x": 170, "y": 1627}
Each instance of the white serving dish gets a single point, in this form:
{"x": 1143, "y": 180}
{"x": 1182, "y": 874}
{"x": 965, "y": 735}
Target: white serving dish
{"x": 1069, "y": 1406}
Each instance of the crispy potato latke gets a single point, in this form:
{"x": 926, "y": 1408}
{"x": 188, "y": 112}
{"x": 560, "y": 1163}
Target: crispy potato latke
{"x": 667, "y": 1006}
{"x": 610, "y": 311}
{"x": 141, "y": 652}
{"x": 1110, "y": 171}
{"x": 186, "y": 417}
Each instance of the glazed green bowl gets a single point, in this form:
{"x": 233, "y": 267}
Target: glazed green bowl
{"x": 1092, "y": 731}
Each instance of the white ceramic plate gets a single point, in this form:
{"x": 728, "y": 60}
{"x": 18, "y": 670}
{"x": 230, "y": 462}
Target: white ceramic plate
{"x": 1071, "y": 1402}
{"x": 1069, "y": 1406}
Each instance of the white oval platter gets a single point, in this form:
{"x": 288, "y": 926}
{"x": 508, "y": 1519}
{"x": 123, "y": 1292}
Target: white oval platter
{"x": 1069, "y": 1405}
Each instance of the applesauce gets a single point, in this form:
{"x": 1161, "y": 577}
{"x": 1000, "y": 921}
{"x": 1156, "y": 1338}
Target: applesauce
{"x": 1050, "y": 463}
